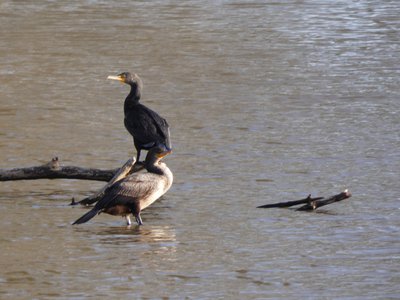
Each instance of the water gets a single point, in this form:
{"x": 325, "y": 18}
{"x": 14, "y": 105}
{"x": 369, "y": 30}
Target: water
{"x": 267, "y": 102}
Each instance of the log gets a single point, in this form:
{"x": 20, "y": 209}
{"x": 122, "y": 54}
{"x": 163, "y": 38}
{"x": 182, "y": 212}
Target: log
{"x": 310, "y": 203}
{"x": 53, "y": 170}
{"x": 290, "y": 203}
{"x": 313, "y": 205}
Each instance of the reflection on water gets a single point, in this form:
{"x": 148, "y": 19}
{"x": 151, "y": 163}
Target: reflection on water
{"x": 130, "y": 234}
{"x": 267, "y": 102}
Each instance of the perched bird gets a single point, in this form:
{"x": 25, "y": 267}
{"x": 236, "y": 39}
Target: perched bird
{"x": 137, "y": 191}
{"x": 145, "y": 125}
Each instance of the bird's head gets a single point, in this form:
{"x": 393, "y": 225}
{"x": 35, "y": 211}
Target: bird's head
{"x": 157, "y": 153}
{"x": 128, "y": 78}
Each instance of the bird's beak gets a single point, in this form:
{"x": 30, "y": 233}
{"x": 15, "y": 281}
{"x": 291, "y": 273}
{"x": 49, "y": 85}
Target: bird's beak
{"x": 119, "y": 78}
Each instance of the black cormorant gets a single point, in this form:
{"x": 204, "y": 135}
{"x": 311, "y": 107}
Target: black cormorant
{"x": 147, "y": 127}
{"x": 135, "y": 192}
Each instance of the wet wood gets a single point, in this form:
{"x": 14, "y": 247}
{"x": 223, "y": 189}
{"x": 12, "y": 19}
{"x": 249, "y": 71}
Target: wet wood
{"x": 290, "y": 203}
{"x": 314, "y": 204}
{"x": 53, "y": 170}
{"x": 310, "y": 203}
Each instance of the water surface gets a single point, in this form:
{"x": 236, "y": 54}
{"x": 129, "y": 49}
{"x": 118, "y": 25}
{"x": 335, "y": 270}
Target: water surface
{"x": 267, "y": 102}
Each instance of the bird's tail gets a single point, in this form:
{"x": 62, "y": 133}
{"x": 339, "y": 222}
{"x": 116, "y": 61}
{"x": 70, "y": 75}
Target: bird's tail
{"x": 86, "y": 217}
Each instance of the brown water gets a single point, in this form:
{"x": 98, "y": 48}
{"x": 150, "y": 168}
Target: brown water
{"x": 268, "y": 102}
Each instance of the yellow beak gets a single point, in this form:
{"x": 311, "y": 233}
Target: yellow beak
{"x": 119, "y": 78}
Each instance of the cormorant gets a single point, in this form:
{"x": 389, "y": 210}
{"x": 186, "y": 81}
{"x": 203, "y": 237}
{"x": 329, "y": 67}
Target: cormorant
{"x": 147, "y": 127}
{"x": 135, "y": 192}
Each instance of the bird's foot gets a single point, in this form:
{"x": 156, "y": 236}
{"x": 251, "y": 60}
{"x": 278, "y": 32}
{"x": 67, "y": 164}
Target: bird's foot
{"x": 139, "y": 220}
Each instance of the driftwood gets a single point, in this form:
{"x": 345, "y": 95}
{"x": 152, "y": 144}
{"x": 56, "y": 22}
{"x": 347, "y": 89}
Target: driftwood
{"x": 310, "y": 203}
{"x": 53, "y": 170}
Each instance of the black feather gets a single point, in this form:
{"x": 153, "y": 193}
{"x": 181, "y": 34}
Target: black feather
{"x": 86, "y": 217}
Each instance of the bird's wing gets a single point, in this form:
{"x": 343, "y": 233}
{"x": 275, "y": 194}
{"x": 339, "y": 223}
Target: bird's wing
{"x": 161, "y": 126}
{"x": 145, "y": 124}
{"x": 131, "y": 188}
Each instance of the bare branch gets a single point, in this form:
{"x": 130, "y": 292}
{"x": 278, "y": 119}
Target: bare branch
{"x": 290, "y": 203}
{"x": 53, "y": 170}
{"x": 313, "y": 205}
{"x": 310, "y": 203}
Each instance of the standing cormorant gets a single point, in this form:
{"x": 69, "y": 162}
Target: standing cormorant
{"x": 135, "y": 192}
{"x": 145, "y": 125}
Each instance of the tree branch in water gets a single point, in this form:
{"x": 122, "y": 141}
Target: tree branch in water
{"x": 310, "y": 203}
{"x": 53, "y": 170}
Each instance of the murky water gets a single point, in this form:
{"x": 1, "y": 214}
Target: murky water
{"x": 268, "y": 102}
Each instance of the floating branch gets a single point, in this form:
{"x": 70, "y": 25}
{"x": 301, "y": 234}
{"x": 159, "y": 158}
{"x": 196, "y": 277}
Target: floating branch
{"x": 53, "y": 170}
{"x": 290, "y": 203}
{"x": 314, "y": 204}
{"x": 310, "y": 203}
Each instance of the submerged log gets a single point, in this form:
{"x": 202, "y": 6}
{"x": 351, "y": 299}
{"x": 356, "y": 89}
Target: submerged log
{"x": 314, "y": 204}
{"x": 310, "y": 203}
{"x": 290, "y": 203}
{"x": 53, "y": 170}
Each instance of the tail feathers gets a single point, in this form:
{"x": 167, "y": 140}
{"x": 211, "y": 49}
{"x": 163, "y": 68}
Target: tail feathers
{"x": 86, "y": 217}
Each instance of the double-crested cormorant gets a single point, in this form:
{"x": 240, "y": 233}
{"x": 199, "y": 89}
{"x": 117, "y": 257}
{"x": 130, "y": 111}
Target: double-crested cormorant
{"x": 145, "y": 125}
{"x": 135, "y": 192}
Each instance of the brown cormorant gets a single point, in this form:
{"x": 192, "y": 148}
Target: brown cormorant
{"x": 135, "y": 192}
{"x": 147, "y": 127}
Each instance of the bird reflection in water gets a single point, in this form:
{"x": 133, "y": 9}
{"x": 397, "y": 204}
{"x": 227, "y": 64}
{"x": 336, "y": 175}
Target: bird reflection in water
{"x": 127, "y": 235}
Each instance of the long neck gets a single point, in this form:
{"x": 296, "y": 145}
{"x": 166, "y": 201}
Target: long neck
{"x": 155, "y": 167}
{"x": 134, "y": 95}
{"x": 165, "y": 173}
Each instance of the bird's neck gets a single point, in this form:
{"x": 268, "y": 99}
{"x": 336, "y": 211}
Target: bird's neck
{"x": 159, "y": 168}
{"x": 156, "y": 168}
{"x": 134, "y": 95}
{"x": 162, "y": 169}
